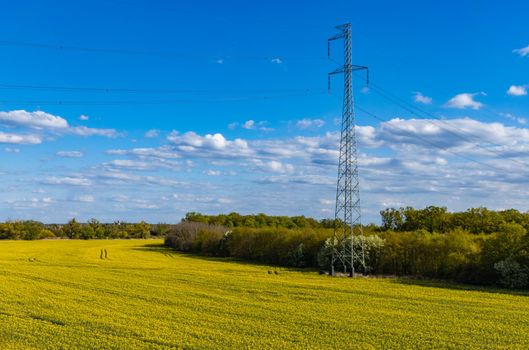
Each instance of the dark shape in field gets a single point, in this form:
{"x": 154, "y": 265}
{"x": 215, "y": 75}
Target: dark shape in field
{"x": 269, "y": 272}
{"x": 106, "y": 255}
{"x": 101, "y": 256}
{"x": 277, "y": 273}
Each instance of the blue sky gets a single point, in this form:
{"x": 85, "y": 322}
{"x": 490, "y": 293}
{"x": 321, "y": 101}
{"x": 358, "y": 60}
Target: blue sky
{"x": 136, "y": 110}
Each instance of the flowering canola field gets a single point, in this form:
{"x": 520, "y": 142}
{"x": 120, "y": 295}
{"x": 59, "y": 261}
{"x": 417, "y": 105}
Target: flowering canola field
{"x": 62, "y": 295}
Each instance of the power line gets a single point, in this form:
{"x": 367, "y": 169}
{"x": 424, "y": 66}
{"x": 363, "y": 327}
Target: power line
{"x": 154, "y": 102}
{"x": 143, "y": 90}
{"x": 166, "y": 54}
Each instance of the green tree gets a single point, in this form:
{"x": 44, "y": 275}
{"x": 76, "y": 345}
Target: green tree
{"x": 72, "y": 229}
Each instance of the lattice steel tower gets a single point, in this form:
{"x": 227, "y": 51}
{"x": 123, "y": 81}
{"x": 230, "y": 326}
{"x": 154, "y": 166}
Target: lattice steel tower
{"x": 347, "y": 208}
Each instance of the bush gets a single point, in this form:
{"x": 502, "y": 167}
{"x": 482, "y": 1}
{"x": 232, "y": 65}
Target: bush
{"x": 513, "y": 275}
{"x": 196, "y": 237}
{"x": 373, "y": 252}
{"x": 280, "y": 246}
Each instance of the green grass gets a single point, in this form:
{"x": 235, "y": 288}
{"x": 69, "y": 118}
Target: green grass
{"x": 61, "y": 295}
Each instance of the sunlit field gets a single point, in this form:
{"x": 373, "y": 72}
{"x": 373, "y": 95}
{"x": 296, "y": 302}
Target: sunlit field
{"x": 64, "y": 294}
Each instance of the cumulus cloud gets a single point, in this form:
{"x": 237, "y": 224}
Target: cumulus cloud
{"x": 252, "y": 125}
{"x": 274, "y": 166}
{"x": 310, "y": 123}
{"x": 84, "y": 117}
{"x": 70, "y": 154}
{"x": 210, "y": 145}
{"x": 457, "y": 135}
{"x": 36, "y": 120}
{"x": 522, "y": 52}
{"x": 420, "y": 98}
{"x": 465, "y": 100}
{"x": 276, "y": 60}
{"x": 396, "y": 163}
{"x": 20, "y": 139}
{"x": 43, "y": 125}
{"x": 517, "y": 90}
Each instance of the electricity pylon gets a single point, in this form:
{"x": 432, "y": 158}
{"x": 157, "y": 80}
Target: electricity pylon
{"x": 347, "y": 215}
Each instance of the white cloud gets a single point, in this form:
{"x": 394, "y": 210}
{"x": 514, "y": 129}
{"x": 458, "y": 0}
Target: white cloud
{"x": 210, "y": 145}
{"x": 211, "y": 172}
{"x": 396, "y": 164}
{"x": 11, "y": 150}
{"x": 465, "y": 100}
{"x": 36, "y": 120}
{"x": 127, "y": 202}
{"x": 276, "y": 60}
{"x": 249, "y": 124}
{"x": 519, "y": 120}
{"x": 517, "y": 90}
{"x": 310, "y": 123}
{"x": 252, "y": 125}
{"x": 152, "y": 133}
{"x": 115, "y": 176}
{"x": 459, "y": 135}
{"x": 43, "y": 124}
{"x": 19, "y": 139}
{"x": 130, "y": 164}
{"x": 87, "y": 198}
{"x": 420, "y": 98}
{"x": 220, "y": 61}
{"x": 84, "y": 117}
{"x": 316, "y": 180}
{"x": 165, "y": 152}
{"x": 86, "y": 131}
{"x": 70, "y": 154}
{"x": 522, "y": 52}
{"x": 274, "y": 166}
{"x": 67, "y": 180}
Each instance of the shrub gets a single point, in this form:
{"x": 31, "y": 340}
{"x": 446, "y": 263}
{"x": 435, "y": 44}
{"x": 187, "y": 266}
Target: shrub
{"x": 196, "y": 237}
{"x": 373, "y": 252}
{"x": 513, "y": 275}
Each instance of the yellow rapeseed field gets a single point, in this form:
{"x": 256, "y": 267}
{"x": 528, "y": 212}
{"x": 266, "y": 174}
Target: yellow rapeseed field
{"x": 62, "y": 295}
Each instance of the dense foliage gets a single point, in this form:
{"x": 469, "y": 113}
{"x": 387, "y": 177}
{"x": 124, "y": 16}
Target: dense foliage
{"x": 259, "y": 221}
{"x": 93, "y": 229}
{"x": 439, "y": 219}
{"x": 477, "y": 246}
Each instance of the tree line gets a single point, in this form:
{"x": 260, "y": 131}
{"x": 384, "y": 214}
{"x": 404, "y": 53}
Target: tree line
{"x": 439, "y": 219}
{"x": 233, "y": 220}
{"x": 93, "y": 229}
{"x": 477, "y": 246}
